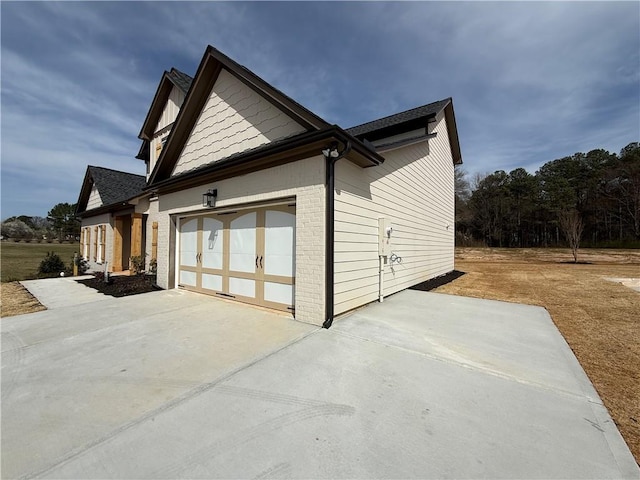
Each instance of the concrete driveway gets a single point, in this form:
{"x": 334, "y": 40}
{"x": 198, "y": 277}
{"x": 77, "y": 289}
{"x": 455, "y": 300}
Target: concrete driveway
{"x": 173, "y": 384}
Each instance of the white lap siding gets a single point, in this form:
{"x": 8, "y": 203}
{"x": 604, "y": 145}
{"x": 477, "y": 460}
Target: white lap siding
{"x": 303, "y": 180}
{"x": 414, "y": 189}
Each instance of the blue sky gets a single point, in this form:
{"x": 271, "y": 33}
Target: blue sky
{"x": 531, "y": 82}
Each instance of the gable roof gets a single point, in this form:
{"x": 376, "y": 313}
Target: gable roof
{"x": 212, "y": 63}
{"x": 115, "y": 187}
{"x": 409, "y": 119}
{"x": 169, "y": 79}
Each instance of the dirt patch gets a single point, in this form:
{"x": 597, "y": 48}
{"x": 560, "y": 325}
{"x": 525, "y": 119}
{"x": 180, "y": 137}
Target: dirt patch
{"x": 599, "y": 319}
{"x": 16, "y": 300}
{"x": 121, "y": 285}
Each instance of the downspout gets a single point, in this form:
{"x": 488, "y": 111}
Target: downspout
{"x": 331, "y": 155}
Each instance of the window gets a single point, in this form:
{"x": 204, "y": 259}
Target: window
{"x": 95, "y": 244}
{"x": 87, "y": 243}
{"x": 101, "y": 243}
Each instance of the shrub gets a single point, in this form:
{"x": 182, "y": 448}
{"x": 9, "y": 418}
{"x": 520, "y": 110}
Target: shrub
{"x": 51, "y": 264}
{"x": 153, "y": 266}
{"x": 103, "y": 277}
{"x": 137, "y": 264}
{"x": 81, "y": 263}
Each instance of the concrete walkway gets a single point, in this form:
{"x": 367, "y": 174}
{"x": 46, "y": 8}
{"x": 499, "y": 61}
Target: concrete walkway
{"x": 173, "y": 384}
{"x": 62, "y": 292}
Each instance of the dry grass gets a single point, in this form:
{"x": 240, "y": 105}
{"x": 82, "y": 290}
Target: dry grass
{"x": 599, "y": 319}
{"x": 16, "y": 300}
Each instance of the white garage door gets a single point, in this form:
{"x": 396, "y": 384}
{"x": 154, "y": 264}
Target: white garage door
{"x": 247, "y": 255}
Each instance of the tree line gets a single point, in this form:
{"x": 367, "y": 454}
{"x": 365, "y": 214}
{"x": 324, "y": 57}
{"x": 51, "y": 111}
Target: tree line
{"x": 593, "y": 196}
{"x": 59, "y": 224}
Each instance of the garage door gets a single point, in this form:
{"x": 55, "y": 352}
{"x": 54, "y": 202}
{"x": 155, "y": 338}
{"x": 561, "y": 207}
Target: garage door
{"x": 247, "y": 255}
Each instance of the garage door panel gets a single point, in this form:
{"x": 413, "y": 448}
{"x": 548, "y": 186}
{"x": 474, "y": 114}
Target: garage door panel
{"x": 279, "y": 243}
{"x": 242, "y": 243}
{"x": 212, "y": 282}
{"x": 212, "y": 243}
{"x": 242, "y": 286}
{"x": 189, "y": 242}
{"x": 279, "y": 293}
{"x": 188, "y": 278}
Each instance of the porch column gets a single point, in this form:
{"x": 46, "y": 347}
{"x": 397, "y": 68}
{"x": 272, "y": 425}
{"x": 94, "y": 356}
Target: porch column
{"x": 116, "y": 263}
{"x": 136, "y": 234}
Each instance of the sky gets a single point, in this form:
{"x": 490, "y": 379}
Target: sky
{"x": 530, "y": 81}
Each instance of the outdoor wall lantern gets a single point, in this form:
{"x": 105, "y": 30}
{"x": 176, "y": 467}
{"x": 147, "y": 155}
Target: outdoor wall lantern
{"x": 209, "y": 198}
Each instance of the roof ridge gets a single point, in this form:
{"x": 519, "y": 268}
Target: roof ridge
{"x": 114, "y": 170}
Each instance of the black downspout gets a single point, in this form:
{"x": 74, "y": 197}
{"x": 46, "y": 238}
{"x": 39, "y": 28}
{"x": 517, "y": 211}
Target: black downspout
{"x": 330, "y": 230}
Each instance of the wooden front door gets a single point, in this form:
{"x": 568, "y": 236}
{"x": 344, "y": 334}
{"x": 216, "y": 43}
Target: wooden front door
{"x": 247, "y": 256}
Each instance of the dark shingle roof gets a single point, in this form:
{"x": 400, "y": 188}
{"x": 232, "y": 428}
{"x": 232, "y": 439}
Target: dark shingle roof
{"x": 180, "y": 79}
{"x": 115, "y": 186}
{"x": 424, "y": 111}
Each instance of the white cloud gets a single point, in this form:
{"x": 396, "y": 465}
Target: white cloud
{"x": 531, "y": 81}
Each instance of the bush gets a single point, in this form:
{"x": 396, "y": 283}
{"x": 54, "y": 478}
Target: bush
{"x": 51, "y": 264}
{"x": 137, "y": 264}
{"x": 81, "y": 263}
{"x": 103, "y": 277}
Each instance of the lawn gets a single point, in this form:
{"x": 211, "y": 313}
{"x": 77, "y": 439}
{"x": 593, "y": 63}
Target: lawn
{"x": 20, "y": 261}
{"x": 599, "y": 319}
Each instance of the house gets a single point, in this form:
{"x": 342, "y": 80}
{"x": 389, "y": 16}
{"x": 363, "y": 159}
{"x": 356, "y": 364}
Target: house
{"x": 250, "y": 196}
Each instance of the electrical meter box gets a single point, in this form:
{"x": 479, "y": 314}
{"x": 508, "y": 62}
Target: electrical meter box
{"x": 385, "y": 233}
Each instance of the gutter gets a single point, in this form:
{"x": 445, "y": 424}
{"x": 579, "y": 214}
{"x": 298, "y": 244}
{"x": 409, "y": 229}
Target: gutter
{"x": 331, "y": 156}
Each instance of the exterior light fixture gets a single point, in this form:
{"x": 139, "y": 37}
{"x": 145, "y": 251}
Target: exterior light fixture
{"x": 209, "y": 198}
{"x": 331, "y": 152}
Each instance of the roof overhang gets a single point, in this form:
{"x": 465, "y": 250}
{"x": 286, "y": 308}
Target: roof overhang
{"x": 85, "y": 192}
{"x": 114, "y": 207}
{"x": 298, "y": 147}
{"x": 409, "y": 120}
{"x": 452, "y": 130}
{"x": 105, "y": 209}
{"x": 157, "y": 106}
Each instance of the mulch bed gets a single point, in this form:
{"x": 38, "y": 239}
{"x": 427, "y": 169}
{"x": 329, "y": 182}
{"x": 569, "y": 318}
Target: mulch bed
{"x": 438, "y": 281}
{"x": 122, "y": 286}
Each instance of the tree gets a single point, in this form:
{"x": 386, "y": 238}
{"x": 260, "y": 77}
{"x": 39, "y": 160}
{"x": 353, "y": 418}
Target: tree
{"x": 572, "y": 226}
{"x": 63, "y": 220}
{"x": 489, "y": 204}
{"x": 14, "y": 228}
{"x": 623, "y": 186}
{"x": 463, "y": 215}
{"x": 523, "y": 192}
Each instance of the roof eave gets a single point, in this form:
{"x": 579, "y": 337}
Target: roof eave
{"x": 452, "y": 130}
{"x": 112, "y": 207}
{"x": 296, "y": 148}
{"x": 157, "y": 105}
{"x": 85, "y": 191}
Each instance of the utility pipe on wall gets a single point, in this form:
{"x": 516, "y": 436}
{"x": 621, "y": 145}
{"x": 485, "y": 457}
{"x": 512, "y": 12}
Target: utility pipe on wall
{"x": 381, "y": 280}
